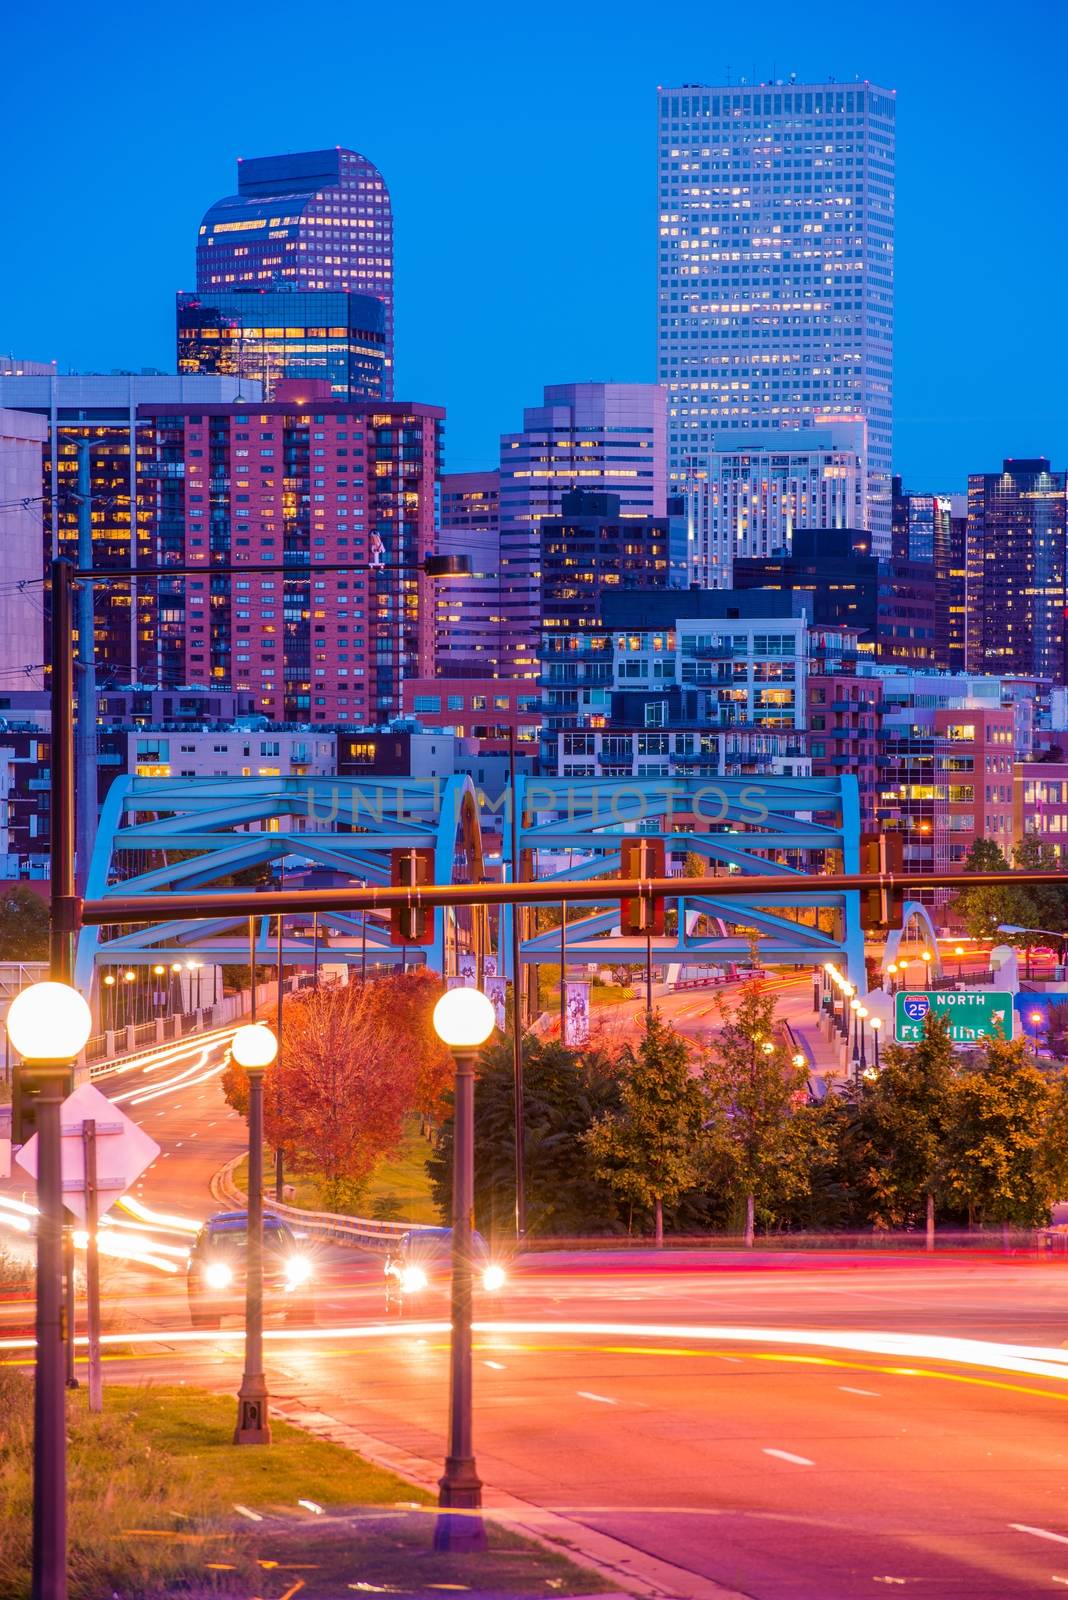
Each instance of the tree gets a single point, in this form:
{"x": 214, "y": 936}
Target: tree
{"x": 984, "y": 908}
{"x": 336, "y": 1101}
{"x": 406, "y": 1002}
{"x": 1003, "y": 1161}
{"x": 648, "y": 1149}
{"x": 901, "y": 1125}
{"x": 1032, "y": 853}
{"x": 23, "y": 925}
{"x": 565, "y": 1091}
{"x": 759, "y": 1145}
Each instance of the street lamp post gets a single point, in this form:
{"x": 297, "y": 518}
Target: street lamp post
{"x": 876, "y": 1024}
{"x": 48, "y": 1024}
{"x": 959, "y": 953}
{"x": 254, "y": 1047}
{"x": 854, "y": 1006}
{"x": 862, "y": 1013}
{"x": 925, "y": 957}
{"x": 464, "y": 1020}
{"x": 891, "y": 973}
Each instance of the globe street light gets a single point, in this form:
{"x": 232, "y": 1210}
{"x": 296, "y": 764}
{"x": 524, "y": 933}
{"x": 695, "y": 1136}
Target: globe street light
{"x": 925, "y": 957}
{"x": 959, "y": 953}
{"x": 254, "y": 1047}
{"x": 49, "y": 1024}
{"x": 891, "y": 973}
{"x": 464, "y": 1020}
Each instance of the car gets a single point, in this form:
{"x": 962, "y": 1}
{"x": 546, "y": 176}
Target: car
{"x": 419, "y": 1266}
{"x": 215, "y": 1270}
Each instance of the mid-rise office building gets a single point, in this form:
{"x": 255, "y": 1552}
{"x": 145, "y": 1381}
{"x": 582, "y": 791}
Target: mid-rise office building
{"x": 102, "y": 410}
{"x": 598, "y": 436}
{"x": 315, "y": 220}
{"x": 1016, "y": 574}
{"x": 889, "y": 604}
{"x": 22, "y": 444}
{"x": 931, "y": 529}
{"x": 470, "y": 629}
{"x": 762, "y": 486}
{"x": 775, "y": 267}
{"x": 270, "y": 335}
{"x": 304, "y": 481}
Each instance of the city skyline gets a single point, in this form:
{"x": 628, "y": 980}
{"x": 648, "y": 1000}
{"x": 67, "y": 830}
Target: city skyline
{"x": 963, "y": 402}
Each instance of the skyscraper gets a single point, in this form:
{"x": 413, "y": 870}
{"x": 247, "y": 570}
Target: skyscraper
{"x": 469, "y": 633}
{"x": 1016, "y": 570}
{"x": 302, "y": 480}
{"x": 775, "y": 267}
{"x": 22, "y": 442}
{"x": 763, "y": 485}
{"x": 103, "y": 410}
{"x": 318, "y": 220}
{"x": 605, "y": 436}
{"x": 269, "y": 335}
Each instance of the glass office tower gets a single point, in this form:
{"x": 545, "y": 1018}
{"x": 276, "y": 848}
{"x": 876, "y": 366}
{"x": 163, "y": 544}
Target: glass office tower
{"x": 316, "y": 220}
{"x": 775, "y": 268}
{"x": 272, "y": 335}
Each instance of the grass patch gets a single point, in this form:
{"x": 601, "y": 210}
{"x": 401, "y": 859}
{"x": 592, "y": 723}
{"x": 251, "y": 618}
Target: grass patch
{"x": 398, "y": 1189}
{"x": 153, "y": 1484}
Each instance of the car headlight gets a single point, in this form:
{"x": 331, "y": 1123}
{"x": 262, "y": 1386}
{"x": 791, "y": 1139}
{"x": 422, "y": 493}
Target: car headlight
{"x": 413, "y": 1279}
{"x": 217, "y": 1275}
{"x": 493, "y": 1278}
{"x": 298, "y": 1271}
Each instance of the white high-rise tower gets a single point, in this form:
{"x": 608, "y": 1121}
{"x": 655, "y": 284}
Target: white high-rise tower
{"x": 776, "y": 268}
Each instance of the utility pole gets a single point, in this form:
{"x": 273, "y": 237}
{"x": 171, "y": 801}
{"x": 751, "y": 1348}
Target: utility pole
{"x": 517, "y": 1007}
{"x": 85, "y": 679}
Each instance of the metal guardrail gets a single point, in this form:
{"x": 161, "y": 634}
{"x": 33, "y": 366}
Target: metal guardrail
{"x": 354, "y": 1232}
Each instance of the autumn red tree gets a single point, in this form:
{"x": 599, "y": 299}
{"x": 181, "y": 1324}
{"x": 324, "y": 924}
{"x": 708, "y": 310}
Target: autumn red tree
{"x": 405, "y": 1003}
{"x": 335, "y": 1102}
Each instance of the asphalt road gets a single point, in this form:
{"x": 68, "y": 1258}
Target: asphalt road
{"x": 798, "y": 1428}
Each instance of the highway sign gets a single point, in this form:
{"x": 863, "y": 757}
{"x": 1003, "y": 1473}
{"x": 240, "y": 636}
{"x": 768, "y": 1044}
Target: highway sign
{"x": 972, "y": 1014}
{"x": 123, "y": 1150}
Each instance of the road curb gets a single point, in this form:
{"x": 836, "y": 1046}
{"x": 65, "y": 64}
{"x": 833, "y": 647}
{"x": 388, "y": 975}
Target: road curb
{"x": 643, "y": 1575}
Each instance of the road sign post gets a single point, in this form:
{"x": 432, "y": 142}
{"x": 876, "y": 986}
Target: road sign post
{"x": 103, "y": 1152}
{"x": 92, "y": 1268}
{"x": 972, "y": 1015}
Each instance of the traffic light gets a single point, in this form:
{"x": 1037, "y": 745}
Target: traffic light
{"x": 882, "y": 907}
{"x": 411, "y": 869}
{"x": 641, "y": 858}
{"x": 25, "y": 1089}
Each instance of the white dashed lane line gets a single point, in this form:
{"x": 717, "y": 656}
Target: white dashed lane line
{"x": 798, "y": 1461}
{"x": 1038, "y": 1533}
{"x": 602, "y": 1399}
{"x": 872, "y": 1394}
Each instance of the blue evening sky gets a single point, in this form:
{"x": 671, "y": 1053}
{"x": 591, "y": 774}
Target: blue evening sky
{"x": 519, "y": 146}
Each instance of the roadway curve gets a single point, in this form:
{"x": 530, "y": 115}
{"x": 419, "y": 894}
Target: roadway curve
{"x": 779, "y": 1426}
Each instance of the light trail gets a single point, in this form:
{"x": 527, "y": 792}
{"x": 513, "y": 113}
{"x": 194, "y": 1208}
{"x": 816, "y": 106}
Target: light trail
{"x": 182, "y": 1080}
{"x": 160, "y": 1219}
{"x": 166, "y": 1055}
{"x": 1028, "y": 1361}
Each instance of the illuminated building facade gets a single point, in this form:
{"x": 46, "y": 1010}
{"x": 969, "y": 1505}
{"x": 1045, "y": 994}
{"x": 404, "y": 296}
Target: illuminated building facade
{"x": 320, "y": 219}
{"x": 22, "y": 443}
{"x": 103, "y": 408}
{"x": 763, "y": 485}
{"x": 1016, "y": 570}
{"x": 320, "y": 334}
{"x": 932, "y": 528}
{"x": 302, "y": 480}
{"x": 775, "y": 267}
{"x": 470, "y": 637}
{"x": 599, "y": 436}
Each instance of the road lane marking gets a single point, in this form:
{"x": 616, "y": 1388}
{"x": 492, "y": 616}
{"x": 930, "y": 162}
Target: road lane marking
{"x": 498, "y": 1366}
{"x": 872, "y": 1394}
{"x": 1038, "y": 1533}
{"x": 799, "y": 1461}
{"x": 602, "y": 1399}
{"x": 243, "y": 1511}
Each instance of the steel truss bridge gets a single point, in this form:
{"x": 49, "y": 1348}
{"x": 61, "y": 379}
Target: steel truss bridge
{"x": 208, "y": 836}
